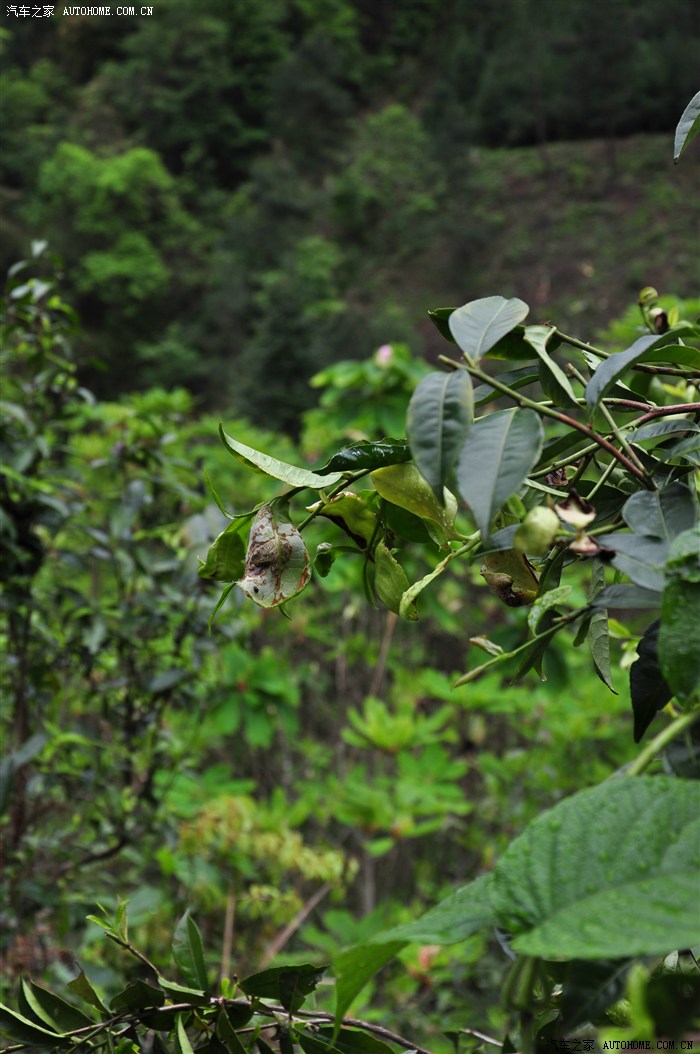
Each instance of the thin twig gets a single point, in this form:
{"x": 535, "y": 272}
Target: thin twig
{"x": 283, "y": 936}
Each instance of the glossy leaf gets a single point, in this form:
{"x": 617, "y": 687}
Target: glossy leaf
{"x": 277, "y": 563}
{"x": 25, "y": 1031}
{"x": 138, "y": 996}
{"x": 454, "y": 919}
{"x": 366, "y": 455}
{"x": 571, "y": 886}
{"x": 613, "y": 368}
{"x": 480, "y": 324}
{"x": 660, "y": 429}
{"x": 499, "y": 452}
{"x": 49, "y": 1010}
{"x": 554, "y": 381}
{"x": 648, "y": 687}
{"x": 354, "y": 967}
{"x": 439, "y": 415}
{"x": 288, "y": 985}
{"x": 266, "y": 465}
{"x": 660, "y": 513}
{"x": 188, "y": 953}
{"x": 679, "y": 635}
{"x": 687, "y": 128}
{"x": 403, "y": 485}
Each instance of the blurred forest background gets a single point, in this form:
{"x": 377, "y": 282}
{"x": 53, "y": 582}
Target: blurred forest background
{"x": 237, "y": 198}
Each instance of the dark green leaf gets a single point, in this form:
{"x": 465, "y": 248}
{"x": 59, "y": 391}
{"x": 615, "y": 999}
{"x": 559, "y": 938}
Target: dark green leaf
{"x": 660, "y": 513}
{"x": 480, "y": 324}
{"x": 571, "y": 886}
{"x": 456, "y": 918}
{"x": 365, "y": 456}
{"x": 49, "y": 1010}
{"x": 672, "y": 1001}
{"x": 627, "y": 598}
{"x": 663, "y": 428}
{"x": 81, "y": 986}
{"x": 439, "y": 316}
{"x": 226, "y": 1033}
{"x": 612, "y": 368}
{"x": 354, "y": 1041}
{"x": 182, "y": 994}
{"x": 188, "y": 954}
{"x": 687, "y": 128}
{"x": 275, "y": 469}
{"x": 138, "y": 996}
{"x": 679, "y": 635}
{"x": 288, "y": 985}
{"x": 598, "y": 634}
{"x": 439, "y": 415}
{"x": 182, "y": 1041}
{"x": 21, "y": 1029}
{"x": 499, "y": 452}
{"x": 591, "y": 988}
{"x": 641, "y": 558}
{"x": 355, "y": 967}
{"x": 648, "y": 688}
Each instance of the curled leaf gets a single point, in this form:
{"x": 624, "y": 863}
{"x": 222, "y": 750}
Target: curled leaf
{"x": 277, "y": 563}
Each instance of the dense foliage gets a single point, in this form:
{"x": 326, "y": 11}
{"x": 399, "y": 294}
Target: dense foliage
{"x": 244, "y": 192}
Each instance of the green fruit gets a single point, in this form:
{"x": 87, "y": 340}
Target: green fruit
{"x": 536, "y": 533}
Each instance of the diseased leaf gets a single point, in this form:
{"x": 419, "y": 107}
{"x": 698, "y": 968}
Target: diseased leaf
{"x": 571, "y": 886}
{"x": 266, "y": 465}
{"x": 510, "y": 577}
{"x": 499, "y": 452}
{"x": 679, "y": 635}
{"x": 687, "y": 128}
{"x": 439, "y": 415}
{"x": 554, "y": 381}
{"x": 480, "y": 324}
{"x": 277, "y": 563}
{"x": 648, "y": 688}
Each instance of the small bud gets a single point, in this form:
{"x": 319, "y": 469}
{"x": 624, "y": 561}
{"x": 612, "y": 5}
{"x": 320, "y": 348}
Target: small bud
{"x": 659, "y": 319}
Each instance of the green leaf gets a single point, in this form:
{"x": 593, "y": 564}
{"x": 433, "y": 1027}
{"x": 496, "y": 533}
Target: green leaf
{"x": 82, "y": 987}
{"x": 188, "y": 953}
{"x": 454, "y": 919}
{"x": 591, "y": 988}
{"x": 182, "y": 993}
{"x": 554, "y": 381}
{"x": 439, "y": 415}
{"x": 138, "y": 996}
{"x": 49, "y": 1010}
{"x": 274, "y": 469}
{"x": 648, "y": 688}
{"x": 499, "y": 452}
{"x": 352, "y": 514}
{"x": 355, "y": 967}
{"x": 182, "y": 1042}
{"x": 390, "y": 582}
{"x": 627, "y": 598}
{"x": 641, "y": 558}
{"x": 679, "y": 635}
{"x": 598, "y": 634}
{"x": 660, "y": 513}
{"x": 544, "y": 603}
{"x": 367, "y": 455}
{"x": 511, "y": 378}
{"x": 23, "y": 1030}
{"x": 403, "y": 485}
{"x": 288, "y": 985}
{"x": 226, "y": 555}
{"x": 612, "y": 368}
{"x": 480, "y": 324}
{"x": 226, "y": 1033}
{"x": 408, "y": 600}
{"x": 608, "y": 873}
{"x": 687, "y": 128}
{"x": 277, "y": 563}
{"x": 660, "y": 429}
{"x": 353, "y": 1041}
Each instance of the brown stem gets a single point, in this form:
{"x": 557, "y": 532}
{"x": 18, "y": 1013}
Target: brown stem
{"x": 283, "y": 936}
{"x": 668, "y": 411}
